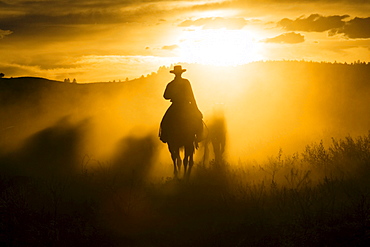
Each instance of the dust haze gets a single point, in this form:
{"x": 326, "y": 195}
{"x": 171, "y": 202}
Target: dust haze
{"x": 266, "y": 106}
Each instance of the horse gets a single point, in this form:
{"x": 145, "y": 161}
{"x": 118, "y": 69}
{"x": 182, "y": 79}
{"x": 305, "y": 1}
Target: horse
{"x": 216, "y": 136}
{"x": 181, "y": 128}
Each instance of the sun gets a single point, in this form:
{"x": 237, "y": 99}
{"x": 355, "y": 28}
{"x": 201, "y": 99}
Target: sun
{"x": 220, "y": 47}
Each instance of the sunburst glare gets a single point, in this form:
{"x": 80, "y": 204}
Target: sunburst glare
{"x": 220, "y": 47}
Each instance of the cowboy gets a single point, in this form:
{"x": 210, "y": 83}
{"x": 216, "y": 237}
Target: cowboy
{"x": 183, "y": 116}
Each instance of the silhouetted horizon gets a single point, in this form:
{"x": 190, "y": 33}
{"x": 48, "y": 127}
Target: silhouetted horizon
{"x": 167, "y": 67}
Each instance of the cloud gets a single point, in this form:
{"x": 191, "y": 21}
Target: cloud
{"x": 335, "y": 24}
{"x": 313, "y": 23}
{"x": 286, "y": 38}
{"x": 356, "y": 28}
{"x": 4, "y": 33}
{"x": 216, "y": 23}
{"x": 87, "y": 17}
{"x": 65, "y": 12}
{"x": 170, "y": 47}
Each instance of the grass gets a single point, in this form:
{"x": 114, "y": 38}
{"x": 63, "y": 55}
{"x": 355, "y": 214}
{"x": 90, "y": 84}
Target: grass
{"x": 320, "y": 197}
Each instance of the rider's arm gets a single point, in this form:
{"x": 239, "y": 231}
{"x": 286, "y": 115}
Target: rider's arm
{"x": 167, "y": 93}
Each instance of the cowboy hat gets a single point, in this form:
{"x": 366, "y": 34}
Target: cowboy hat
{"x": 177, "y": 69}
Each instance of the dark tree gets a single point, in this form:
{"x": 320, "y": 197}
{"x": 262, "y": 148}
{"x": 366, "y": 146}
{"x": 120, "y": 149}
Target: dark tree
{"x": 2, "y": 75}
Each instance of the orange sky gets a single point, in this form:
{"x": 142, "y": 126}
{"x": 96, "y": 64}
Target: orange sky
{"x": 114, "y": 39}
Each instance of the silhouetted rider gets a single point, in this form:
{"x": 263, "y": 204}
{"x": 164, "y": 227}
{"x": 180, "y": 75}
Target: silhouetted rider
{"x": 183, "y": 116}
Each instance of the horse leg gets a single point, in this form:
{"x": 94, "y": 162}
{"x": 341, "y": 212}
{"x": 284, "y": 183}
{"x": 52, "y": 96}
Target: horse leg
{"x": 188, "y": 160}
{"x": 175, "y": 156}
{"x": 178, "y": 160}
{"x": 191, "y": 163}
{"x": 217, "y": 151}
{"x": 206, "y": 152}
